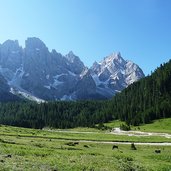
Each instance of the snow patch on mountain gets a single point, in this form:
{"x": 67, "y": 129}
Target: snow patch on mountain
{"x": 47, "y": 76}
{"x": 66, "y": 98}
{"x": 56, "y": 82}
{"x": 71, "y": 73}
{"x": 26, "y": 75}
{"x": 48, "y": 87}
{"x": 96, "y": 79}
{"x": 15, "y": 81}
{"x": 26, "y": 95}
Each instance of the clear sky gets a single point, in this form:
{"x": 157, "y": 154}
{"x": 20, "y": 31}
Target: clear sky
{"x": 93, "y": 29}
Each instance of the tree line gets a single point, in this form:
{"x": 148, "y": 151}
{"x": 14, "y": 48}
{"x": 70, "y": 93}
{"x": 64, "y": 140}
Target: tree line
{"x": 53, "y": 114}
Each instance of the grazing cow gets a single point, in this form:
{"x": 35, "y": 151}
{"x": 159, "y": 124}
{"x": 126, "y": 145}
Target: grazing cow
{"x": 133, "y": 147}
{"x": 86, "y": 146}
{"x": 8, "y": 156}
{"x": 114, "y": 146}
{"x": 157, "y": 151}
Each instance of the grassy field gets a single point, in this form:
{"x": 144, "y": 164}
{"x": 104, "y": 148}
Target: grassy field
{"x": 161, "y": 125}
{"x": 30, "y": 149}
{"x": 72, "y": 135}
{"x": 114, "y": 124}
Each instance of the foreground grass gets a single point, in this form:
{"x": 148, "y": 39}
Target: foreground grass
{"x": 44, "y": 154}
{"x": 29, "y": 149}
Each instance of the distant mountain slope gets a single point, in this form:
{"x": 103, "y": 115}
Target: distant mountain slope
{"x": 46, "y": 75}
{"x": 145, "y": 100}
{"x": 5, "y": 94}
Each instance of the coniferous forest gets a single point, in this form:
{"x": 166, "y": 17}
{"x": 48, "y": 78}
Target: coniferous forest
{"x": 141, "y": 102}
{"x": 145, "y": 100}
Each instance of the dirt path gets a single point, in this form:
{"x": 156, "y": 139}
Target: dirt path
{"x": 117, "y": 131}
{"x": 125, "y": 143}
{"x": 93, "y": 141}
{"x": 68, "y": 131}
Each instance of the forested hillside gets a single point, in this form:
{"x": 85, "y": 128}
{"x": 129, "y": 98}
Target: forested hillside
{"x": 145, "y": 100}
{"x": 141, "y": 102}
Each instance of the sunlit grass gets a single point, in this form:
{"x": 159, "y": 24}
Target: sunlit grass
{"x": 30, "y": 149}
{"x": 161, "y": 125}
{"x": 43, "y": 154}
{"x": 67, "y": 135}
{"x": 114, "y": 124}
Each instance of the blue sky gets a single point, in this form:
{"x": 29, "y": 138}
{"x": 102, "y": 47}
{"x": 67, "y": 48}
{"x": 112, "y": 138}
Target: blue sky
{"x": 93, "y": 29}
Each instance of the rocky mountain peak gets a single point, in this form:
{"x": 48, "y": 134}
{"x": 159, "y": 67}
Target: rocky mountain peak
{"x": 11, "y": 43}
{"x": 115, "y": 55}
{"x": 114, "y": 58}
{"x": 71, "y": 53}
{"x": 110, "y": 64}
{"x": 34, "y": 71}
{"x": 10, "y": 55}
{"x": 74, "y": 63}
{"x": 34, "y": 43}
{"x": 10, "y": 46}
{"x": 71, "y": 57}
{"x": 113, "y": 74}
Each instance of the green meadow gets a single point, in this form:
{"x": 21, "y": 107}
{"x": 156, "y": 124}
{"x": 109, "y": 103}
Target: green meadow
{"x": 160, "y": 125}
{"x": 66, "y": 150}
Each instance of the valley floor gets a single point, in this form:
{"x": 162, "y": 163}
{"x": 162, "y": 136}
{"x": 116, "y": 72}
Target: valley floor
{"x": 79, "y": 149}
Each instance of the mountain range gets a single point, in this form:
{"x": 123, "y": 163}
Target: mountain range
{"x": 37, "y": 74}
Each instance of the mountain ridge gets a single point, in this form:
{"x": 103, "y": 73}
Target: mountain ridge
{"x": 53, "y": 76}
